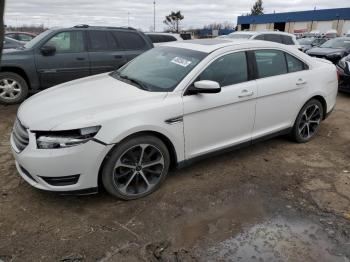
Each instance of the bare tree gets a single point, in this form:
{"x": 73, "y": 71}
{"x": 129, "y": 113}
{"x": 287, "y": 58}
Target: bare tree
{"x": 173, "y": 21}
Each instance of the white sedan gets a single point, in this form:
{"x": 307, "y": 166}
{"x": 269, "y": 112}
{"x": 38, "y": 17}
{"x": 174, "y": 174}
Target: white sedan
{"x": 167, "y": 108}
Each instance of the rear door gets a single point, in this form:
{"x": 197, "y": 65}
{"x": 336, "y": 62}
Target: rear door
{"x": 281, "y": 80}
{"x": 105, "y": 52}
{"x": 132, "y": 43}
{"x": 69, "y": 62}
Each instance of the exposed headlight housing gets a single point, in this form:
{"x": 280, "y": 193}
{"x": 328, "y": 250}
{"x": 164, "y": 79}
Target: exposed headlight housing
{"x": 67, "y": 138}
{"x": 338, "y": 54}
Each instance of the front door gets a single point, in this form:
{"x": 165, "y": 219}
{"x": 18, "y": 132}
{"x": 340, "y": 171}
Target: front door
{"x": 218, "y": 121}
{"x": 70, "y": 60}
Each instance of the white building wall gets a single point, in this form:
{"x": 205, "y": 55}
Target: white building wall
{"x": 346, "y": 27}
{"x": 300, "y": 25}
{"x": 324, "y": 26}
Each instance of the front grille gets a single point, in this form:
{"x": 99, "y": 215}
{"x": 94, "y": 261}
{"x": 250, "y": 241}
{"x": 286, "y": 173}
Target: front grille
{"x": 20, "y": 135}
{"x": 61, "y": 181}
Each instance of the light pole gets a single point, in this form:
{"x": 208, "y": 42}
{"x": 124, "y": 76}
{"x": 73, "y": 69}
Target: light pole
{"x": 154, "y": 15}
{"x": 128, "y": 18}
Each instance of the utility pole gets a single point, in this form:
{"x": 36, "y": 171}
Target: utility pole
{"x": 154, "y": 15}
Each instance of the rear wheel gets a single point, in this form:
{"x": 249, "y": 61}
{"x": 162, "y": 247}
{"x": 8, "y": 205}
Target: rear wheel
{"x": 13, "y": 88}
{"x": 136, "y": 167}
{"x": 308, "y": 121}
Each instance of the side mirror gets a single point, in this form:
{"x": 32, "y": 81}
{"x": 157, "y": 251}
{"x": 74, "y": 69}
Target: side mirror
{"x": 48, "y": 50}
{"x": 204, "y": 87}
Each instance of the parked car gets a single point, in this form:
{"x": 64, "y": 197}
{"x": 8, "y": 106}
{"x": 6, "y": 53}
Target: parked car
{"x": 160, "y": 38}
{"x": 272, "y": 36}
{"x": 344, "y": 74}
{"x": 332, "y": 50}
{"x": 170, "y": 106}
{"x": 60, "y": 55}
{"x": 310, "y": 42}
{"x": 10, "y": 43}
{"x": 21, "y": 36}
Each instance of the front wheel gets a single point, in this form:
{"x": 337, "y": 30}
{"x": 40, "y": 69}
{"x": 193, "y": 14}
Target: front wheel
{"x": 136, "y": 167}
{"x": 308, "y": 121}
{"x": 13, "y": 88}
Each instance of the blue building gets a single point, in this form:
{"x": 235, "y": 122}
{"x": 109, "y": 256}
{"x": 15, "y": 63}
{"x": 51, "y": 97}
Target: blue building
{"x": 299, "y": 22}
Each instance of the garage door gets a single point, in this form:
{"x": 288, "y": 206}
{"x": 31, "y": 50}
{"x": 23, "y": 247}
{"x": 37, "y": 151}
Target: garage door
{"x": 260, "y": 27}
{"x": 324, "y": 26}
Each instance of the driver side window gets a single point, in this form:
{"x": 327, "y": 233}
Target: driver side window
{"x": 227, "y": 70}
{"x": 67, "y": 42}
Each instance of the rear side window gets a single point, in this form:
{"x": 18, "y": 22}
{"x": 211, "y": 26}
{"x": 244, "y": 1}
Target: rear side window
{"x": 294, "y": 64}
{"x": 227, "y": 70}
{"x": 273, "y": 38}
{"x": 287, "y": 40}
{"x": 102, "y": 41}
{"x": 260, "y": 37}
{"x": 24, "y": 37}
{"x": 156, "y": 38}
{"x": 168, "y": 38}
{"x": 270, "y": 63}
{"x": 130, "y": 40}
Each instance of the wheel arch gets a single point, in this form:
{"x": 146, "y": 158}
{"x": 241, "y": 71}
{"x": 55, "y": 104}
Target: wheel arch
{"x": 323, "y": 101}
{"x": 168, "y": 143}
{"x": 17, "y": 70}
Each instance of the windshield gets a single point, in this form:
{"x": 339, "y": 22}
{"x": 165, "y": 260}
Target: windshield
{"x": 337, "y": 43}
{"x": 306, "y": 41}
{"x": 240, "y": 36}
{"x": 161, "y": 69}
{"x": 36, "y": 39}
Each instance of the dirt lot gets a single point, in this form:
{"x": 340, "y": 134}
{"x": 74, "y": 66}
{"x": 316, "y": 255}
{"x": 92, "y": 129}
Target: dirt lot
{"x": 274, "y": 201}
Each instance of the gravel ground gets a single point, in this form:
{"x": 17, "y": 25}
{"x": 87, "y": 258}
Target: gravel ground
{"x": 274, "y": 201}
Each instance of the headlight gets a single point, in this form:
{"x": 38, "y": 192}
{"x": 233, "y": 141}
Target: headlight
{"x": 342, "y": 63}
{"x": 63, "y": 139}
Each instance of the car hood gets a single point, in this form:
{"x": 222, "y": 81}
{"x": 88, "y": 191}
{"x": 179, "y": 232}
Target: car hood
{"x": 83, "y": 102}
{"x": 325, "y": 51}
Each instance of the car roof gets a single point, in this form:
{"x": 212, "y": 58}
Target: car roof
{"x": 210, "y": 45}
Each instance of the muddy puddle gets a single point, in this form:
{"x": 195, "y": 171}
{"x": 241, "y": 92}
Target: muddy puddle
{"x": 279, "y": 239}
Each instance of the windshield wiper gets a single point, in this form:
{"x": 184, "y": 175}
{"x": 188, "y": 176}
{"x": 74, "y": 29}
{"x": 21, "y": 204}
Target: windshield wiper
{"x": 140, "y": 84}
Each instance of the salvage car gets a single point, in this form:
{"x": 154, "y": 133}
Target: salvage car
{"x": 272, "y": 36}
{"x": 344, "y": 74}
{"x": 21, "y": 36}
{"x": 169, "y": 107}
{"x": 310, "y": 42}
{"x": 332, "y": 50}
{"x": 60, "y": 55}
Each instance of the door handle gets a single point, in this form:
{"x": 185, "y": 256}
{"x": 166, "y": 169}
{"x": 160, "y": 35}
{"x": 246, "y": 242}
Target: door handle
{"x": 118, "y": 56}
{"x": 300, "y": 82}
{"x": 246, "y": 93}
{"x": 80, "y": 58}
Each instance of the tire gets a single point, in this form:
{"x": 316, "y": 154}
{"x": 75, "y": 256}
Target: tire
{"x": 127, "y": 177}
{"x": 308, "y": 121}
{"x": 13, "y": 88}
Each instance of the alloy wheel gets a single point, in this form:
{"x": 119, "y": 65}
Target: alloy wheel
{"x": 138, "y": 169}
{"x": 309, "y": 121}
{"x": 10, "y": 89}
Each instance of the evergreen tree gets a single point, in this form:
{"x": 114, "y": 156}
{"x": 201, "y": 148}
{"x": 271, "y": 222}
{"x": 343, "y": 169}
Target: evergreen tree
{"x": 257, "y": 8}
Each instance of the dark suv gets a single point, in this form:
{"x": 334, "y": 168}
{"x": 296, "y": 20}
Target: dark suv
{"x": 61, "y": 55}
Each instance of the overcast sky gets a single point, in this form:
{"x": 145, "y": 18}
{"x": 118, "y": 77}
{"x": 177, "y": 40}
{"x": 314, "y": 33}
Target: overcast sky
{"x": 115, "y": 13}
